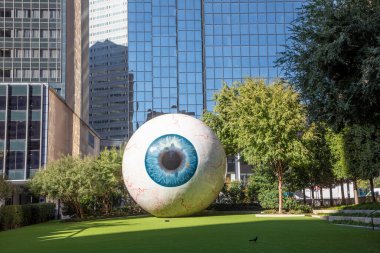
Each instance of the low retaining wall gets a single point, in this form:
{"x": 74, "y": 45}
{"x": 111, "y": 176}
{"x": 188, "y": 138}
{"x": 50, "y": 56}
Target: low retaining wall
{"x": 279, "y": 215}
{"x": 324, "y": 211}
{"x": 344, "y": 211}
{"x": 376, "y": 221}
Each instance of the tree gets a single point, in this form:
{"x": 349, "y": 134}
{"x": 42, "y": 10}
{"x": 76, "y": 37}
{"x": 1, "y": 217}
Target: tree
{"x": 88, "y": 184}
{"x": 339, "y": 162}
{"x": 108, "y": 181}
{"x": 362, "y": 144}
{"x": 333, "y": 59}
{"x": 262, "y": 185}
{"x": 67, "y": 179}
{"x": 266, "y": 122}
{"x": 222, "y": 125}
{"x": 6, "y": 189}
{"x": 317, "y": 171}
{"x": 236, "y": 192}
{"x": 364, "y": 184}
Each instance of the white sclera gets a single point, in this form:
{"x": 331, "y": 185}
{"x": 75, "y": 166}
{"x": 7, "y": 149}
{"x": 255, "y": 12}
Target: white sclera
{"x": 193, "y": 196}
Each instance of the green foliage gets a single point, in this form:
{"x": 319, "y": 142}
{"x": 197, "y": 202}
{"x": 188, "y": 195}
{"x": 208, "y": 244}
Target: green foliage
{"x": 109, "y": 186}
{"x": 362, "y": 144}
{"x": 338, "y": 155}
{"x": 363, "y": 206}
{"x": 333, "y": 59}
{"x": 268, "y": 199}
{"x": 6, "y": 189}
{"x": 317, "y": 169}
{"x": 374, "y": 215}
{"x": 292, "y": 205}
{"x": 234, "y": 207}
{"x": 265, "y": 122}
{"x": 67, "y": 179}
{"x": 223, "y": 128}
{"x": 355, "y": 152}
{"x": 14, "y": 216}
{"x": 354, "y": 223}
{"x": 262, "y": 186}
{"x": 84, "y": 185}
{"x": 364, "y": 184}
{"x": 236, "y": 192}
{"x": 268, "y": 121}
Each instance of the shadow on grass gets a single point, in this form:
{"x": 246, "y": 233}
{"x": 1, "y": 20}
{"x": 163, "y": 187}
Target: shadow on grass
{"x": 198, "y": 234}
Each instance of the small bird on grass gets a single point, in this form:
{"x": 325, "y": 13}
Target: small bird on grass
{"x": 254, "y": 239}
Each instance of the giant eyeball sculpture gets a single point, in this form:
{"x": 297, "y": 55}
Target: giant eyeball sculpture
{"x": 174, "y": 165}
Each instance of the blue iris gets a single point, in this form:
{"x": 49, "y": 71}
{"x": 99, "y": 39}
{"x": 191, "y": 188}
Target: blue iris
{"x": 171, "y": 160}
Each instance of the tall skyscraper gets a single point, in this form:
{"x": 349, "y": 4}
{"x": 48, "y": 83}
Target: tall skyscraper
{"x": 111, "y": 93}
{"x": 181, "y": 52}
{"x": 43, "y": 84}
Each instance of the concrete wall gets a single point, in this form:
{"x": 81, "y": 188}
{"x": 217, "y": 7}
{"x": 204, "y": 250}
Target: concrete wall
{"x": 85, "y": 147}
{"x": 60, "y": 124}
{"x": 77, "y": 39}
{"x": 66, "y": 130}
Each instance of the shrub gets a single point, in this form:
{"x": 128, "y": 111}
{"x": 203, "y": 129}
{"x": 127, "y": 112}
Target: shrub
{"x": 268, "y": 198}
{"x": 293, "y": 206}
{"x": 236, "y": 192}
{"x": 234, "y": 207}
{"x": 15, "y": 216}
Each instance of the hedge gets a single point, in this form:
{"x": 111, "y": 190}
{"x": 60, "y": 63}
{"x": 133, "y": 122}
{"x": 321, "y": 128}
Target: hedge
{"x": 15, "y": 216}
{"x": 235, "y": 207}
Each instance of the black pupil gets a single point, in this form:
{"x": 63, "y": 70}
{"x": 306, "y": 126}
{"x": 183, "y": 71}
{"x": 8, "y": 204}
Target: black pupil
{"x": 171, "y": 160}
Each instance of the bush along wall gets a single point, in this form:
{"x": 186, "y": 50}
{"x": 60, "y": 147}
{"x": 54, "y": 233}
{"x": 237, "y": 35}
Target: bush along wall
{"x": 15, "y": 216}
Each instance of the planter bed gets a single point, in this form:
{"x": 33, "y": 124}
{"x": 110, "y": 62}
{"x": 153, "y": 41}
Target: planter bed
{"x": 279, "y": 215}
{"x": 358, "y": 211}
{"x": 367, "y": 220}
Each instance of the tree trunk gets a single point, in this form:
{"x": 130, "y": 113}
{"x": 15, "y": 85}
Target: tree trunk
{"x": 81, "y": 212}
{"x": 348, "y": 193}
{"x": 304, "y": 196}
{"x": 321, "y": 192}
{"x": 356, "y": 195}
{"x": 78, "y": 209}
{"x": 280, "y": 192}
{"x": 312, "y": 197}
{"x": 331, "y": 196}
{"x": 372, "y": 190}
{"x": 59, "y": 209}
{"x": 342, "y": 192}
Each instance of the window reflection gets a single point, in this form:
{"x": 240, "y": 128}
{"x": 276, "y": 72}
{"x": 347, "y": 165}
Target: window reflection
{"x": 241, "y": 38}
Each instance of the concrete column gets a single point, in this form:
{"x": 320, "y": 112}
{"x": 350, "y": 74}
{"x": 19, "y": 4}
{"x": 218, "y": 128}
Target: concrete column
{"x": 237, "y": 167}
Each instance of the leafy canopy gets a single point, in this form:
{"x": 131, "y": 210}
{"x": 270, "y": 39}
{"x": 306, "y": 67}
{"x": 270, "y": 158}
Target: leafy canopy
{"x": 85, "y": 183}
{"x": 333, "y": 59}
{"x": 262, "y": 122}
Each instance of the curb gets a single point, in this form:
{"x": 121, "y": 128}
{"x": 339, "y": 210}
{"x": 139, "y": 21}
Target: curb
{"x": 279, "y": 215}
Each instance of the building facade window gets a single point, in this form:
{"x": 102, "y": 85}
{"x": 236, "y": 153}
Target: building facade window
{"x": 182, "y": 52}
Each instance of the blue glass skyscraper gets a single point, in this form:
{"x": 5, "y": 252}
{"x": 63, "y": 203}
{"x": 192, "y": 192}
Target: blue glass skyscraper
{"x": 181, "y": 52}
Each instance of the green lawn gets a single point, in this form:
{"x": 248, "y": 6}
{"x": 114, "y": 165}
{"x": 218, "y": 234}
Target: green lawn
{"x": 227, "y": 233}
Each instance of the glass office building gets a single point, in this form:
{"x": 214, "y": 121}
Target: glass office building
{"x": 181, "y": 52}
{"x": 32, "y": 48}
{"x": 110, "y": 86}
{"x": 23, "y": 129}
{"x": 43, "y": 50}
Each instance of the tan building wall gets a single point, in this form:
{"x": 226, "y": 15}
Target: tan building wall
{"x": 77, "y": 69}
{"x": 66, "y": 130}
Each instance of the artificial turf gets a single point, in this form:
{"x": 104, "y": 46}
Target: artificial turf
{"x": 224, "y": 233}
